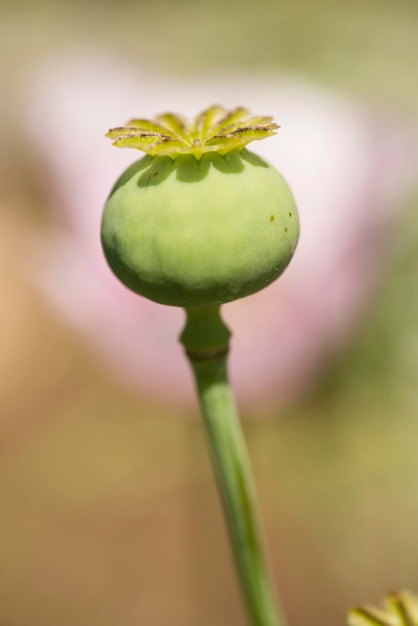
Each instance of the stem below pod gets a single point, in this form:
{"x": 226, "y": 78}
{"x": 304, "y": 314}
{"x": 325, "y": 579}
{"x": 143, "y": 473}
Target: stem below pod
{"x": 205, "y": 339}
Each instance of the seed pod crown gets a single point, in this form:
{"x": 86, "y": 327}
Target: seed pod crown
{"x": 213, "y": 130}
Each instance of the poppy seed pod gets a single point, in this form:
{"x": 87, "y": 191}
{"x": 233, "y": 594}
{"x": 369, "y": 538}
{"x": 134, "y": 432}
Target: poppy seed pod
{"x": 200, "y": 220}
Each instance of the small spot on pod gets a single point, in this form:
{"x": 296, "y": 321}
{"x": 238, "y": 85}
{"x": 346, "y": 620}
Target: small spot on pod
{"x": 271, "y": 218}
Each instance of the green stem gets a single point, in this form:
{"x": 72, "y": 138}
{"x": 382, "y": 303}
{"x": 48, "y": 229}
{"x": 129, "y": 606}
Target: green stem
{"x": 205, "y": 338}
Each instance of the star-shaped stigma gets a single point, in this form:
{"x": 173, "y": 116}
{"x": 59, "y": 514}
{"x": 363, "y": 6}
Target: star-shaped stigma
{"x": 213, "y": 130}
{"x": 400, "y": 609}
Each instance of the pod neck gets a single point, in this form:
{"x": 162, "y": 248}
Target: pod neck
{"x": 205, "y": 336}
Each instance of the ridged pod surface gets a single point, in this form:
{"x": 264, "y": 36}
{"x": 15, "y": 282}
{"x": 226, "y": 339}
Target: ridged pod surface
{"x": 188, "y": 232}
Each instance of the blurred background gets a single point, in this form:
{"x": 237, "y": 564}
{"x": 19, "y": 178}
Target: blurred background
{"x": 109, "y": 513}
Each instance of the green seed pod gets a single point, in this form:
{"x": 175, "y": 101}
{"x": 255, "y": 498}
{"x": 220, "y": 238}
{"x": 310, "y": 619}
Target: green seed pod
{"x": 200, "y": 220}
